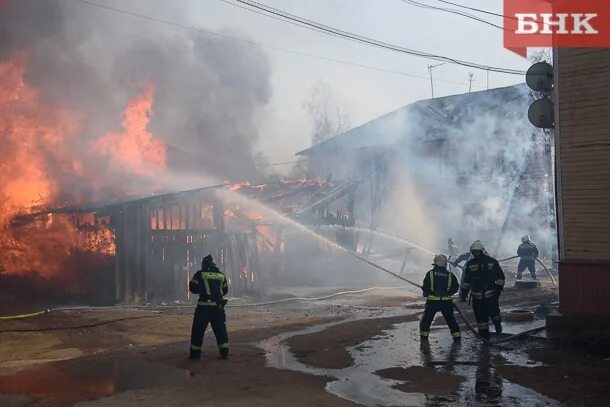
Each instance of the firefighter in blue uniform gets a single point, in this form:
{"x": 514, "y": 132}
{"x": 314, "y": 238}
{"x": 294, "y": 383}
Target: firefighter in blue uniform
{"x": 211, "y": 285}
{"x": 484, "y": 279}
{"x": 528, "y": 253}
{"x": 439, "y": 286}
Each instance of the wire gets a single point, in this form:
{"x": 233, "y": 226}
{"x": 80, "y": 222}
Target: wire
{"x": 453, "y": 11}
{"x": 370, "y": 41}
{"x": 474, "y": 9}
{"x": 259, "y": 44}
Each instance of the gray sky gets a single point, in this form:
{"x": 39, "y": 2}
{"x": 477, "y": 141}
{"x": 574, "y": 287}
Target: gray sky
{"x": 364, "y": 93}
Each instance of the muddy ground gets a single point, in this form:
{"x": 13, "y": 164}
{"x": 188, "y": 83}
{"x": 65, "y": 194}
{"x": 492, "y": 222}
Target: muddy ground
{"x": 118, "y": 357}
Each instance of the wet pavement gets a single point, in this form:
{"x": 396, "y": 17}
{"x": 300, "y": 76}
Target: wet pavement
{"x": 67, "y": 382}
{"x": 415, "y": 369}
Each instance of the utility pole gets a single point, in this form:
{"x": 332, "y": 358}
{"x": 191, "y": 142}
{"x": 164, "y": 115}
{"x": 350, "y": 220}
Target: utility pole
{"x": 470, "y": 79}
{"x": 430, "y": 67}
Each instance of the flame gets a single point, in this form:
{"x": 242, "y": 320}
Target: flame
{"x": 29, "y": 130}
{"x": 135, "y": 148}
{"x": 40, "y": 148}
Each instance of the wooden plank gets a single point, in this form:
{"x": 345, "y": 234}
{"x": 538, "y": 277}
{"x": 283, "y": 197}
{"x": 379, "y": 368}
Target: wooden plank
{"x": 570, "y": 52}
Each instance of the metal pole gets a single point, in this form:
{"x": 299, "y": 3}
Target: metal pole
{"x": 431, "y": 80}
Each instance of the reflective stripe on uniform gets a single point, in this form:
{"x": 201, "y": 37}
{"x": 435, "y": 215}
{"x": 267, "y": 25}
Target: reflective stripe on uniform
{"x": 477, "y": 295}
{"x": 432, "y": 281}
{"x": 193, "y": 281}
{"x": 456, "y": 334}
{"x": 490, "y": 293}
{"x": 500, "y": 282}
{"x": 208, "y": 303}
{"x": 424, "y": 333}
{"x": 437, "y": 298}
{"x": 213, "y": 276}
{"x": 465, "y": 286}
{"x": 484, "y": 325}
{"x": 207, "y": 287}
{"x": 195, "y": 347}
{"x": 223, "y": 346}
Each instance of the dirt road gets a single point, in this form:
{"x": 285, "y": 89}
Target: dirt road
{"x": 368, "y": 352}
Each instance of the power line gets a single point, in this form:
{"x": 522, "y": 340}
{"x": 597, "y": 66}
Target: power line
{"x": 453, "y": 11}
{"x": 373, "y": 42}
{"x": 474, "y": 9}
{"x": 257, "y": 44}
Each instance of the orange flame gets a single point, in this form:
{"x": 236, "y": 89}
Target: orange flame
{"x": 28, "y": 131}
{"x": 135, "y": 148}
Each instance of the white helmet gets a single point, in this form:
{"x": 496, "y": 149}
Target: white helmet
{"x": 525, "y": 238}
{"x": 477, "y": 245}
{"x": 440, "y": 260}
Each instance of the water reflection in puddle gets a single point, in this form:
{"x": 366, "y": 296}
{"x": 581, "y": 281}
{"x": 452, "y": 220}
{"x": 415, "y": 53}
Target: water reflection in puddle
{"x": 67, "y": 382}
{"x": 481, "y": 385}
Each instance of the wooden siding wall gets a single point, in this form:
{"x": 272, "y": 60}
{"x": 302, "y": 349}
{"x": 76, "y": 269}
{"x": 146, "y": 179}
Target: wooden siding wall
{"x": 584, "y": 153}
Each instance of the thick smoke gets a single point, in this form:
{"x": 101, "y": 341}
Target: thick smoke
{"x": 208, "y": 91}
{"x": 468, "y": 167}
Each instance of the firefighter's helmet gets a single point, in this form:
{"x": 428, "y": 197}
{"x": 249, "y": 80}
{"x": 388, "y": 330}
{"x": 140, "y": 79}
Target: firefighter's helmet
{"x": 525, "y": 238}
{"x": 440, "y": 260}
{"x": 477, "y": 245}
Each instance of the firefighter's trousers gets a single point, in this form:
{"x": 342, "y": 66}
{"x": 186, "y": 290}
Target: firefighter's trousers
{"x": 484, "y": 310}
{"x": 529, "y": 264}
{"x": 209, "y": 314}
{"x": 446, "y": 308}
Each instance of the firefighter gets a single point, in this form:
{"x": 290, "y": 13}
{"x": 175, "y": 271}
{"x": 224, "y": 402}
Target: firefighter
{"x": 452, "y": 248}
{"x": 211, "y": 285}
{"x": 484, "y": 279}
{"x": 439, "y": 286}
{"x": 528, "y": 253}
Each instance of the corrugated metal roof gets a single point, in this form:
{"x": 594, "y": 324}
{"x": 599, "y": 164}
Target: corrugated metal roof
{"x": 431, "y": 119}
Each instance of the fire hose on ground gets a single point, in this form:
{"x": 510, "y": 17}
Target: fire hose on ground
{"x": 462, "y": 316}
{"x": 459, "y": 311}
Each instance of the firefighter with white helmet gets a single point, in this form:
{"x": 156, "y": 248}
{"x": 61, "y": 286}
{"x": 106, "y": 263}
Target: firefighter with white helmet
{"x": 528, "y": 253}
{"x": 439, "y": 286}
{"x": 484, "y": 279}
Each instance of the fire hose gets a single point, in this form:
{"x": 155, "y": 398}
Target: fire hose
{"x": 24, "y": 316}
{"x": 459, "y": 311}
{"x": 353, "y": 254}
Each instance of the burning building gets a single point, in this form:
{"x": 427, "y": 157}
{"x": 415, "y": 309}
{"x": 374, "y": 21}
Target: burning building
{"x": 468, "y": 166}
{"x": 147, "y": 249}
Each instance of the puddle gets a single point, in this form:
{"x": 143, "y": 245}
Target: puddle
{"x": 478, "y": 383}
{"x": 67, "y": 382}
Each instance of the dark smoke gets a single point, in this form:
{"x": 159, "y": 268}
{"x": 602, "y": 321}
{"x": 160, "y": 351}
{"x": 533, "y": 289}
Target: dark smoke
{"x": 209, "y": 90}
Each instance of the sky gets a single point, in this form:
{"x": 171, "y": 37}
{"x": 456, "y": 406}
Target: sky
{"x": 365, "y": 94}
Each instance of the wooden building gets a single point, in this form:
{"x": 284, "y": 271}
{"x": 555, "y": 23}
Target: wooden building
{"x": 582, "y": 96}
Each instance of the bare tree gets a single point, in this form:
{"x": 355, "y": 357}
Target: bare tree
{"x": 541, "y": 55}
{"x": 328, "y": 118}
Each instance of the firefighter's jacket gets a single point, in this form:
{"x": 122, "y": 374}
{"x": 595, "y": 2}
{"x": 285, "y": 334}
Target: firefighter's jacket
{"x": 483, "y": 277}
{"x": 527, "y": 251}
{"x": 440, "y": 284}
{"x": 210, "y": 284}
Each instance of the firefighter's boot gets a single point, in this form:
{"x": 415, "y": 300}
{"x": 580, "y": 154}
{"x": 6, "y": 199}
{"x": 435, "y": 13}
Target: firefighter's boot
{"x": 498, "y": 326}
{"x": 195, "y": 354}
{"x": 224, "y": 353}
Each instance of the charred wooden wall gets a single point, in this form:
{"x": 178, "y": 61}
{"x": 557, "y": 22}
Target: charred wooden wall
{"x": 160, "y": 242}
